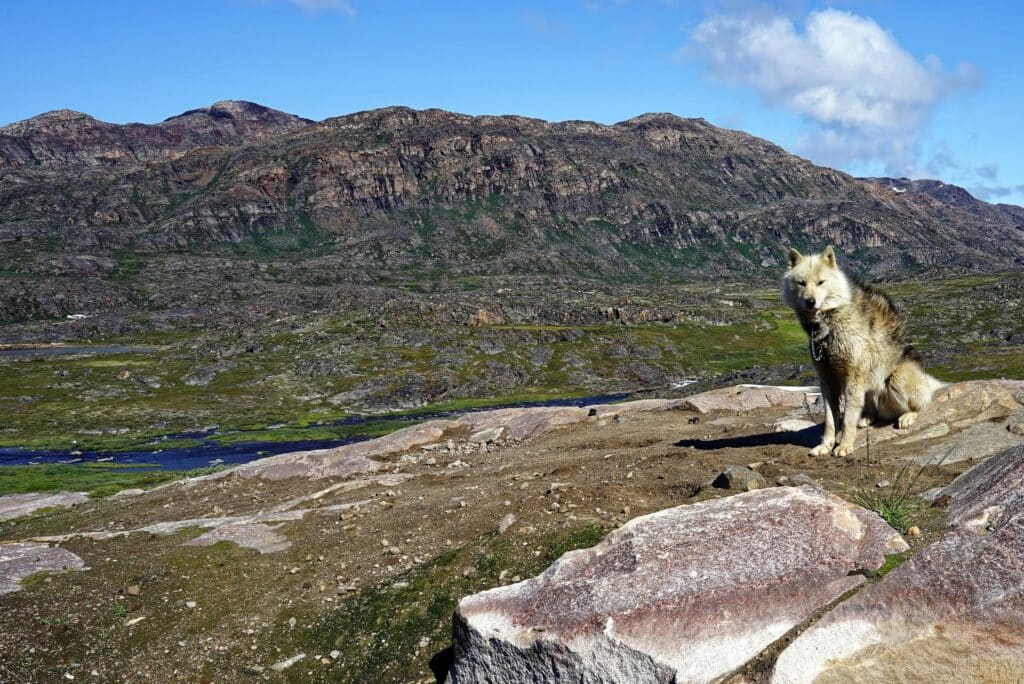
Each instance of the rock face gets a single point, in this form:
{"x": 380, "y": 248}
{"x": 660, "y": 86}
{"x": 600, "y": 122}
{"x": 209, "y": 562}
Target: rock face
{"x": 687, "y": 594}
{"x": 952, "y": 613}
{"x": 21, "y": 559}
{"x": 668, "y": 192}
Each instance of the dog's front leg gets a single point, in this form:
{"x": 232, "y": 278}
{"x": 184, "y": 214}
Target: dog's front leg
{"x": 853, "y": 399}
{"x": 828, "y": 439}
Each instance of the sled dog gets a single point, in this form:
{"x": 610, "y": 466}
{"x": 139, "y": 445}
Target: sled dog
{"x": 860, "y": 348}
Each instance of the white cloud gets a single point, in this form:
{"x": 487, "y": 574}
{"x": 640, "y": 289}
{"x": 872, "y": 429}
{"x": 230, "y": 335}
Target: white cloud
{"x": 866, "y": 97}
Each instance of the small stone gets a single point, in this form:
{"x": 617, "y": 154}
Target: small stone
{"x": 335, "y": 654}
{"x": 134, "y": 621}
{"x": 882, "y": 484}
{"x": 134, "y": 590}
{"x": 283, "y": 665}
{"x": 190, "y": 604}
{"x": 508, "y": 521}
{"x": 325, "y": 661}
{"x": 804, "y": 479}
{"x": 292, "y": 622}
{"x": 400, "y": 585}
{"x": 914, "y": 531}
{"x": 430, "y": 461}
{"x": 293, "y": 571}
{"x": 394, "y": 551}
{"x": 739, "y": 478}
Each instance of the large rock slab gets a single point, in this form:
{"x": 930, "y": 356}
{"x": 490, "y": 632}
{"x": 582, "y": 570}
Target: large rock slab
{"x": 522, "y": 423}
{"x": 687, "y": 594}
{"x": 992, "y": 489}
{"x": 20, "y": 559}
{"x": 750, "y": 397}
{"x": 16, "y": 505}
{"x": 952, "y": 613}
{"x": 955, "y": 407}
{"x": 343, "y": 461}
{"x": 255, "y": 535}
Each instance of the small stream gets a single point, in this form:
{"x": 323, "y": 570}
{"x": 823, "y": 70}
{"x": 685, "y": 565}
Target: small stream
{"x": 166, "y": 455}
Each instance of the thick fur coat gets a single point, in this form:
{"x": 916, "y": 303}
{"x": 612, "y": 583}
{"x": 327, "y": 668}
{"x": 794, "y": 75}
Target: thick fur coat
{"x": 860, "y": 348}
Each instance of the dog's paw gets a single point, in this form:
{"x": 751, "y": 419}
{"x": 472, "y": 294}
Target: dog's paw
{"x": 906, "y": 420}
{"x": 822, "y": 449}
{"x": 843, "y": 450}
{"x": 865, "y": 421}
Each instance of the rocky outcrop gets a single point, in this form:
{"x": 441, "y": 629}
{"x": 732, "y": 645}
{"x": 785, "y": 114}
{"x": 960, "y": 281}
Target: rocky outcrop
{"x": 952, "y": 613}
{"x": 686, "y": 594}
{"x": 18, "y": 560}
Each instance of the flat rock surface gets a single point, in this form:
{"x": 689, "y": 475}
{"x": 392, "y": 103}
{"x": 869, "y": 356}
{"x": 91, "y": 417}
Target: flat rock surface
{"x": 952, "y": 613}
{"x": 686, "y": 594}
{"x": 21, "y": 559}
{"x": 259, "y": 536}
{"x": 17, "y": 505}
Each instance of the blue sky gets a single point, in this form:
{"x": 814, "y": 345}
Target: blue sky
{"x": 926, "y": 89}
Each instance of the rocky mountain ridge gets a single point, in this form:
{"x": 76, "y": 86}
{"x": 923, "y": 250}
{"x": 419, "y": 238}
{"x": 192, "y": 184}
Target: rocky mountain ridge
{"x": 449, "y": 194}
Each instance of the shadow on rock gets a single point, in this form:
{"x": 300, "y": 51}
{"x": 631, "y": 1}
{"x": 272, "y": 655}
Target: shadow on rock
{"x": 441, "y": 662}
{"x": 808, "y": 437}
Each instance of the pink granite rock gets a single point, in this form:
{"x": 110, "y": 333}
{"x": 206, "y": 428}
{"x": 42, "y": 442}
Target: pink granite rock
{"x": 952, "y": 613}
{"x": 686, "y": 594}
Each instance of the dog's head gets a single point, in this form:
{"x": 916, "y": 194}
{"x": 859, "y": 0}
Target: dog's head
{"x": 815, "y": 282}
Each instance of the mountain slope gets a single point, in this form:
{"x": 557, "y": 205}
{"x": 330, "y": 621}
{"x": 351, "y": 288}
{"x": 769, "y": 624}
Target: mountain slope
{"x": 438, "y": 193}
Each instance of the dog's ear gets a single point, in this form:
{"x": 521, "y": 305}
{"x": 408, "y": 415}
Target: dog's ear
{"x": 794, "y": 257}
{"x": 829, "y": 255}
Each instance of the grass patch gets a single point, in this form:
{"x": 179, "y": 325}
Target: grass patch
{"x": 99, "y": 481}
{"x": 379, "y": 630}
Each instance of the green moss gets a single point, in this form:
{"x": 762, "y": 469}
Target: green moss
{"x": 379, "y": 630}
{"x": 892, "y": 562}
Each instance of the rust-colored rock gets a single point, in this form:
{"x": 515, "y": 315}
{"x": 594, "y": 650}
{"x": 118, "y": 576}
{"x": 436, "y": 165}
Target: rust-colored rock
{"x": 686, "y": 594}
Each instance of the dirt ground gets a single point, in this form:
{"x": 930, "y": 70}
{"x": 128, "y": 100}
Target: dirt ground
{"x": 376, "y": 583}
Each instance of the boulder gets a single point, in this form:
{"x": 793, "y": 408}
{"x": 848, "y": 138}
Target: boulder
{"x": 686, "y": 594}
{"x": 952, "y": 613}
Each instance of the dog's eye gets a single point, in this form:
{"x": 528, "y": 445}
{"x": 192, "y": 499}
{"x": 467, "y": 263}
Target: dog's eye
{"x": 801, "y": 283}
{"x": 821, "y": 282}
